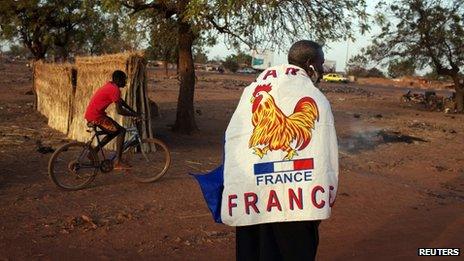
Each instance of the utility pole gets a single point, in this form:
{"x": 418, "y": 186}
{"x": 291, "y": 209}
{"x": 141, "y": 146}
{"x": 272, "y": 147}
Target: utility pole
{"x": 346, "y": 57}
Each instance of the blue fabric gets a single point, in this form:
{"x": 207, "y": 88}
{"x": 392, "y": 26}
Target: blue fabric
{"x": 263, "y": 168}
{"x": 212, "y": 185}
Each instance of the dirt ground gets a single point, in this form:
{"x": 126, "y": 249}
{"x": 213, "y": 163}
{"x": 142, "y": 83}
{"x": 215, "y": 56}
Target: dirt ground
{"x": 394, "y": 197}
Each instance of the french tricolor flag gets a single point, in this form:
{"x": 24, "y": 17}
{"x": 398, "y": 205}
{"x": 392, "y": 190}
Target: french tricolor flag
{"x": 283, "y": 166}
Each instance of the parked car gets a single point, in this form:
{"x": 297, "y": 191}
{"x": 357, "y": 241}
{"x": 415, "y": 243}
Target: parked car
{"x": 246, "y": 71}
{"x": 334, "y": 77}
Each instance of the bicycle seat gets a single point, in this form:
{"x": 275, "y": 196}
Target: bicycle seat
{"x": 95, "y": 128}
{"x": 91, "y": 127}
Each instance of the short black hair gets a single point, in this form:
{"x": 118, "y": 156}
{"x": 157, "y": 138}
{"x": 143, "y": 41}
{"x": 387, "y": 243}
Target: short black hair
{"x": 119, "y": 77}
{"x": 302, "y": 51}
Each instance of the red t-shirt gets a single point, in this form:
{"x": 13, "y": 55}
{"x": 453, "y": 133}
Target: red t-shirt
{"x": 100, "y": 100}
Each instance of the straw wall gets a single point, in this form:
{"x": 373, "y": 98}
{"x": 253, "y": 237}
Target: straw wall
{"x": 54, "y": 90}
{"x": 92, "y": 73}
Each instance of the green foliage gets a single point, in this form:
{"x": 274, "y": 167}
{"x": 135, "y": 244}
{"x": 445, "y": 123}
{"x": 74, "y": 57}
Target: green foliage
{"x": 358, "y": 60}
{"x": 230, "y": 63}
{"x": 243, "y": 58}
{"x": 434, "y": 76}
{"x": 163, "y": 42}
{"x": 276, "y": 23}
{"x": 357, "y": 66}
{"x": 233, "y": 62}
{"x": 27, "y": 21}
{"x": 200, "y": 56}
{"x": 63, "y": 28}
{"x": 18, "y": 51}
{"x": 400, "y": 68}
{"x": 40, "y": 25}
{"x": 428, "y": 33}
{"x": 374, "y": 72}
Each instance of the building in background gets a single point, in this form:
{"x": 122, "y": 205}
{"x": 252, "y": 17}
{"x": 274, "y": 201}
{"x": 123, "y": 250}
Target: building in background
{"x": 261, "y": 59}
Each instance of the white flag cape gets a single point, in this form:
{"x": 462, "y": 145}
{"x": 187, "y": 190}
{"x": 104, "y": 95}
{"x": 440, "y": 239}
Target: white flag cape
{"x": 281, "y": 154}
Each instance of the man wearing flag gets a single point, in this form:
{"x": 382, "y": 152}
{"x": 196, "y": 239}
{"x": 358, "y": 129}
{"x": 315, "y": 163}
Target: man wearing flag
{"x": 280, "y": 171}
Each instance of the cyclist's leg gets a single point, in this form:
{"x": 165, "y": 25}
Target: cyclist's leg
{"x": 113, "y": 129}
{"x": 110, "y": 127}
{"x": 119, "y": 141}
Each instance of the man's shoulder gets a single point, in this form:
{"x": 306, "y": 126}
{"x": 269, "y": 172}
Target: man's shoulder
{"x": 280, "y": 71}
{"x": 279, "y": 67}
{"x": 110, "y": 87}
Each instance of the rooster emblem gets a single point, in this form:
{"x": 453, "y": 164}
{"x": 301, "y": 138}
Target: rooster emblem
{"x": 273, "y": 130}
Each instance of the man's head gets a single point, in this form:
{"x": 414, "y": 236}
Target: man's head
{"x": 309, "y": 56}
{"x": 119, "y": 78}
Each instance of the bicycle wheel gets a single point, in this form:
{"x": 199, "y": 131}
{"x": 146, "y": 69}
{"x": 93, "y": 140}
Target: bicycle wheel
{"x": 150, "y": 160}
{"x": 73, "y": 166}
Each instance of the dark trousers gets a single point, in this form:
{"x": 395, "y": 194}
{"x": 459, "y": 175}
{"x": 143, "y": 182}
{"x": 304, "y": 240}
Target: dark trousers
{"x": 277, "y": 241}
{"x": 112, "y": 130}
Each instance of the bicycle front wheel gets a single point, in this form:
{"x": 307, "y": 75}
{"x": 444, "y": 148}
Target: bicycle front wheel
{"x": 73, "y": 166}
{"x": 150, "y": 160}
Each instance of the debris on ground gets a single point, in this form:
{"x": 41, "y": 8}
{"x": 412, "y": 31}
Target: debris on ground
{"x": 344, "y": 89}
{"x": 89, "y": 221}
{"x": 369, "y": 140}
{"x": 43, "y": 149}
{"x": 396, "y": 136}
{"x": 415, "y": 124}
{"x": 431, "y": 101}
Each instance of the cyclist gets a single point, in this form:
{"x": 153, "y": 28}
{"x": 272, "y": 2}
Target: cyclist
{"x": 96, "y": 115}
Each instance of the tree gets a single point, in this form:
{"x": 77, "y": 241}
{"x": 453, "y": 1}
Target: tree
{"x": 234, "y": 61}
{"x": 356, "y": 66}
{"x": 103, "y": 33}
{"x": 230, "y": 63}
{"x": 243, "y": 58}
{"x": 374, "y": 72}
{"x": 26, "y": 21}
{"x": 42, "y": 25}
{"x": 200, "y": 56}
{"x": 250, "y": 22}
{"x": 18, "y": 51}
{"x": 434, "y": 76}
{"x": 428, "y": 32}
{"x": 62, "y": 28}
{"x": 163, "y": 43}
{"x": 399, "y": 68}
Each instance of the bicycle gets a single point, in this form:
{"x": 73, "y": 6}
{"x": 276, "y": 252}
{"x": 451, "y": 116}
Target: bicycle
{"x": 75, "y": 165}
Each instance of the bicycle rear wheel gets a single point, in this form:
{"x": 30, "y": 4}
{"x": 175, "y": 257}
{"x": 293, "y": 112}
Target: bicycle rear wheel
{"x": 150, "y": 160}
{"x": 73, "y": 166}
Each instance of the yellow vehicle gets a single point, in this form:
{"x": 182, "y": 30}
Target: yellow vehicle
{"x": 334, "y": 77}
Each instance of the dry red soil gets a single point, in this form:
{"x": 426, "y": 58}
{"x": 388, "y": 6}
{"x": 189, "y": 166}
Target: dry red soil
{"x": 394, "y": 197}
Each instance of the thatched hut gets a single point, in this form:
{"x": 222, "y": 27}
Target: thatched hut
{"x": 92, "y": 73}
